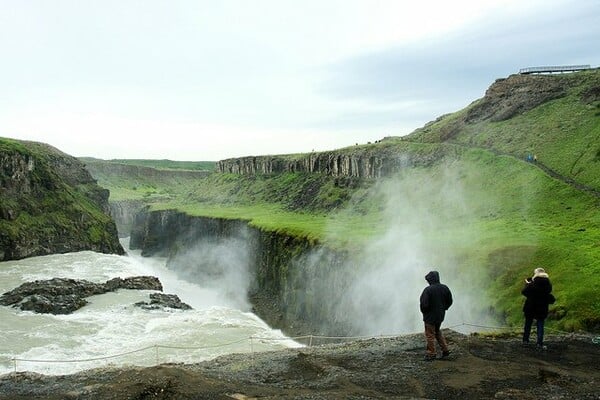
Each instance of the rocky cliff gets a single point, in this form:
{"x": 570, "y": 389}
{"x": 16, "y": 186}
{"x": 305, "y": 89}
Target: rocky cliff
{"x": 369, "y": 161}
{"x": 124, "y": 212}
{"x": 49, "y": 203}
{"x": 288, "y": 280}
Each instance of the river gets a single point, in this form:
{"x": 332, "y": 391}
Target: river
{"x": 112, "y": 331}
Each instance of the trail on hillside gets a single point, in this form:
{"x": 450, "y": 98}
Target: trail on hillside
{"x": 547, "y": 170}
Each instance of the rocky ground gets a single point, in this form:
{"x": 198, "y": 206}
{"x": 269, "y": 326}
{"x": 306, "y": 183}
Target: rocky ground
{"x": 391, "y": 368}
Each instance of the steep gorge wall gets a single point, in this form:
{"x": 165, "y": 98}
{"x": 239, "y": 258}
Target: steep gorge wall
{"x": 49, "y": 203}
{"x": 365, "y": 161}
{"x": 124, "y": 212}
{"x": 292, "y": 281}
{"x": 329, "y": 163}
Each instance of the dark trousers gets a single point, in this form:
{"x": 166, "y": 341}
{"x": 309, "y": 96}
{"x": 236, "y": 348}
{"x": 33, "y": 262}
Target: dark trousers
{"x": 540, "y": 330}
{"x": 433, "y": 333}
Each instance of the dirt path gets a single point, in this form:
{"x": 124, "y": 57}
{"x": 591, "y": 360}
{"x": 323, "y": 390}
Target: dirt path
{"x": 393, "y": 368}
{"x": 547, "y": 170}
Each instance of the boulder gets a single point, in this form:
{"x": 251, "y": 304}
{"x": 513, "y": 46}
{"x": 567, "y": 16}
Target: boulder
{"x": 64, "y": 296}
{"x": 162, "y": 300}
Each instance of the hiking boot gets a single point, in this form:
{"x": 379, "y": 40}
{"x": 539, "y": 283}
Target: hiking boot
{"x": 429, "y": 357}
{"x": 541, "y": 347}
{"x": 446, "y": 354}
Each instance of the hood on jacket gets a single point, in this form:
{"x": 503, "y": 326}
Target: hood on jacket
{"x": 433, "y": 277}
{"x": 539, "y": 273}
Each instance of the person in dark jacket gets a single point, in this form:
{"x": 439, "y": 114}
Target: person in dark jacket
{"x": 435, "y": 300}
{"x": 538, "y": 293}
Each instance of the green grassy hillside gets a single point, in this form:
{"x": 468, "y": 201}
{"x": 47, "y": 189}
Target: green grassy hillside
{"x": 131, "y": 181}
{"x": 564, "y": 133}
{"x": 478, "y": 205}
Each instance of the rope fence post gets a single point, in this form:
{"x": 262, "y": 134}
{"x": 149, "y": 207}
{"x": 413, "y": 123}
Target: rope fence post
{"x": 15, "y": 363}
{"x": 156, "y": 352}
{"x": 310, "y": 338}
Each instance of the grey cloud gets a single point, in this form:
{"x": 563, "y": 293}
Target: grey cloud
{"x": 458, "y": 68}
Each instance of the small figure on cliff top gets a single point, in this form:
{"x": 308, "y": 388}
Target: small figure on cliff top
{"x": 435, "y": 300}
{"x": 538, "y": 293}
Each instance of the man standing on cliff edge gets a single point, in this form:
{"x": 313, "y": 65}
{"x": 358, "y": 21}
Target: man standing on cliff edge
{"x": 435, "y": 300}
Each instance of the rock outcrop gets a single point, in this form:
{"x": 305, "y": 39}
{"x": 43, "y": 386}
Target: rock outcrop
{"x": 368, "y": 161}
{"x": 330, "y": 163}
{"x": 514, "y": 95}
{"x": 49, "y": 203}
{"x": 161, "y": 300}
{"x": 64, "y": 296}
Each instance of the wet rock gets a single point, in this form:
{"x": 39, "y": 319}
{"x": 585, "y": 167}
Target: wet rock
{"x": 134, "y": 282}
{"x": 61, "y": 304}
{"x": 162, "y": 300}
{"x": 64, "y": 296}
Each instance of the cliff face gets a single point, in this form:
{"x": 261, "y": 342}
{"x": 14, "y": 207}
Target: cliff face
{"x": 289, "y": 280}
{"x": 50, "y": 204}
{"x": 366, "y": 161}
{"x": 124, "y": 212}
{"x": 329, "y": 163}
{"x": 515, "y": 95}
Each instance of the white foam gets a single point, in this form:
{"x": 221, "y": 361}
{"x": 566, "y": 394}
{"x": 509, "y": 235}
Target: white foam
{"x": 111, "y": 325}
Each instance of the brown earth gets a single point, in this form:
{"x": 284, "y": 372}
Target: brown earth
{"x": 382, "y": 368}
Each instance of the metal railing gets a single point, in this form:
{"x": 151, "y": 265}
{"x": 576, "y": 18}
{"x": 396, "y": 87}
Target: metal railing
{"x": 553, "y": 68}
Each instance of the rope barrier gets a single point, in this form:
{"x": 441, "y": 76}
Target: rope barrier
{"x": 156, "y": 347}
{"x": 85, "y": 359}
{"x": 200, "y": 347}
{"x": 481, "y": 326}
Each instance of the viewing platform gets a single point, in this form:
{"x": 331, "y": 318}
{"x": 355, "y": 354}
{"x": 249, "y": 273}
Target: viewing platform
{"x": 553, "y": 69}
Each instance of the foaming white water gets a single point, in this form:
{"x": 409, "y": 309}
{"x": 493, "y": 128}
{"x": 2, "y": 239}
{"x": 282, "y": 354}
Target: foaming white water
{"x": 111, "y": 325}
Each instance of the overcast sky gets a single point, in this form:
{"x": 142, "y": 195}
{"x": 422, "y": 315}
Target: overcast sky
{"x": 208, "y": 80}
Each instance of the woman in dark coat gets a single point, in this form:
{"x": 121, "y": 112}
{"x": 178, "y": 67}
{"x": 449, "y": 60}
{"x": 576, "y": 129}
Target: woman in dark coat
{"x": 537, "y": 290}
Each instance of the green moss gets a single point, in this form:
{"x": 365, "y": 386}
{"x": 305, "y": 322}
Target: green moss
{"x": 96, "y": 234}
